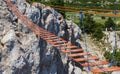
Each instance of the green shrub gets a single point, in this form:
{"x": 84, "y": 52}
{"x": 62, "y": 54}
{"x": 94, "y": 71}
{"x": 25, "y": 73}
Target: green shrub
{"x": 109, "y": 56}
{"x": 93, "y": 28}
{"x": 98, "y": 34}
{"x": 109, "y": 23}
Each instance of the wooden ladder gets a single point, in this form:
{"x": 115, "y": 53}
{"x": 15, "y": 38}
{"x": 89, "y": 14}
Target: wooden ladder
{"x": 73, "y": 51}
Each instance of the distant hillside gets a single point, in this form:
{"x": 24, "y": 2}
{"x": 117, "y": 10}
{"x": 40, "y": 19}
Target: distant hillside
{"x": 106, "y": 4}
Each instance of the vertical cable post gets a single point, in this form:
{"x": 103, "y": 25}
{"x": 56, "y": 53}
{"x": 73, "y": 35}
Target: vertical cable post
{"x": 115, "y": 42}
{"x": 83, "y": 27}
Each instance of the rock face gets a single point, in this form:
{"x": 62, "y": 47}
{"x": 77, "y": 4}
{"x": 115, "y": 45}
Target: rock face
{"x": 8, "y": 37}
{"x": 22, "y": 52}
{"x": 110, "y": 38}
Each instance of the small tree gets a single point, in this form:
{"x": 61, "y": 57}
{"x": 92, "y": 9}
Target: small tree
{"x": 98, "y": 34}
{"x": 109, "y": 23}
{"x": 102, "y": 17}
{"x": 116, "y": 58}
{"x": 118, "y": 27}
{"x": 89, "y": 24}
{"x": 93, "y": 28}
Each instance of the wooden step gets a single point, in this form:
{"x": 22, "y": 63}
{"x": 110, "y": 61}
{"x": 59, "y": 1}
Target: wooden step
{"x": 58, "y": 38}
{"x": 110, "y": 69}
{"x": 55, "y": 38}
{"x": 47, "y": 36}
{"x": 51, "y": 37}
{"x": 71, "y": 47}
{"x": 49, "y": 33}
{"x": 54, "y": 43}
{"x": 85, "y": 59}
{"x": 57, "y": 41}
{"x": 74, "y": 50}
{"x": 44, "y": 35}
{"x": 80, "y": 54}
{"x": 95, "y": 63}
{"x": 43, "y": 32}
{"x": 62, "y": 42}
{"x": 60, "y": 45}
{"x": 57, "y": 45}
{"x": 66, "y": 44}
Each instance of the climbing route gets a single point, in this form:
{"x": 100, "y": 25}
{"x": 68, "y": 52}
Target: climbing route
{"x": 73, "y": 52}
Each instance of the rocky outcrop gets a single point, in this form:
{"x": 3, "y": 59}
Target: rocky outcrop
{"x": 22, "y": 52}
{"x": 110, "y": 38}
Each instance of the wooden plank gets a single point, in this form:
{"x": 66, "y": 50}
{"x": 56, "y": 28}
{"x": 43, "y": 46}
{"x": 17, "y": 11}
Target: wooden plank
{"x": 66, "y": 44}
{"x": 44, "y": 35}
{"x": 61, "y": 42}
{"x": 56, "y": 41}
{"x": 71, "y": 47}
{"x": 95, "y": 63}
{"x": 61, "y": 45}
{"x": 85, "y": 59}
{"x": 110, "y": 69}
{"x": 55, "y": 38}
{"x": 52, "y": 37}
{"x": 50, "y": 42}
{"x": 50, "y": 33}
{"x": 48, "y": 36}
{"x": 74, "y": 50}
{"x": 80, "y": 54}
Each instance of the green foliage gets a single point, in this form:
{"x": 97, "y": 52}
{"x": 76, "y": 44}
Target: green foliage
{"x": 108, "y": 56}
{"x": 89, "y": 24}
{"x": 98, "y": 34}
{"x": 118, "y": 27}
{"x": 103, "y": 17}
{"x": 84, "y": 3}
{"x": 116, "y": 59}
{"x": 109, "y": 23}
{"x": 33, "y": 1}
{"x": 93, "y": 28}
{"x": 57, "y": 2}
